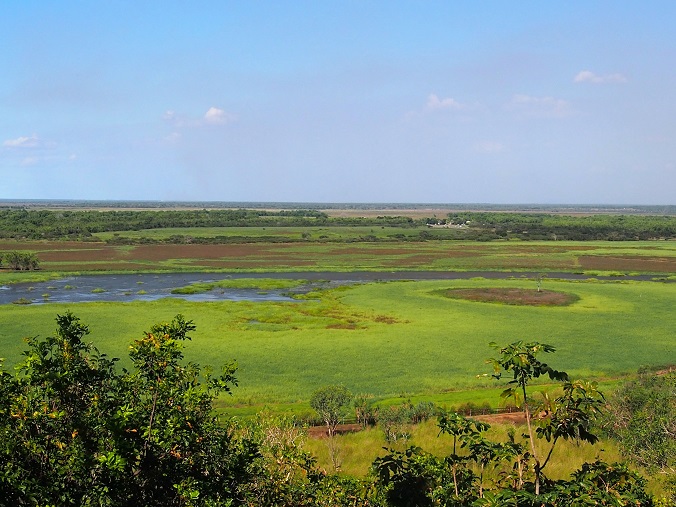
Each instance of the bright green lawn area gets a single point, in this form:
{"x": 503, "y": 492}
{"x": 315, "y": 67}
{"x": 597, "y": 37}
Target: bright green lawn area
{"x": 388, "y": 339}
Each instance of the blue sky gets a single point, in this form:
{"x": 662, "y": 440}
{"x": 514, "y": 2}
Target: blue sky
{"x": 346, "y": 101}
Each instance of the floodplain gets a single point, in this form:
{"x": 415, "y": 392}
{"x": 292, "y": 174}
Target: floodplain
{"x": 606, "y": 306}
{"x": 393, "y": 339}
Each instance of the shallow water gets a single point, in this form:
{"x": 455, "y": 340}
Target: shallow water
{"x": 139, "y": 287}
{"x": 150, "y": 287}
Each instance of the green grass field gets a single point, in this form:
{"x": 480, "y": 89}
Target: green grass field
{"x": 389, "y": 339}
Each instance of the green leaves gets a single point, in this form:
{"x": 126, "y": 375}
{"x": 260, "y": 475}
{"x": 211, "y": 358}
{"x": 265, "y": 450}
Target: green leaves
{"x": 521, "y": 359}
{"x": 571, "y": 415}
{"x": 77, "y": 430}
{"x": 328, "y": 402}
{"x": 452, "y": 423}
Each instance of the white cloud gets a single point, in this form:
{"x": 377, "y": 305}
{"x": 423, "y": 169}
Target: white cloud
{"x": 23, "y": 142}
{"x": 587, "y": 76}
{"x": 434, "y": 103}
{"x": 539, "y": 106}
{"x": 213, "y": 116}
{"x": 216, "y": 116}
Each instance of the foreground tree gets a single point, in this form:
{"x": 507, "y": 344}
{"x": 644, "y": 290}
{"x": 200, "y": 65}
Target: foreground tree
{"x": 521, "y": 361}
{"x": 75, "y": 431}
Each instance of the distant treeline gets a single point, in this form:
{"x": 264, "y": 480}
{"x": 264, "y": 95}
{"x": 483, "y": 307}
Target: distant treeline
{"x": 482, "y": 226}
{"x": 45, "y": 224}
{"x": 566, "y": 227}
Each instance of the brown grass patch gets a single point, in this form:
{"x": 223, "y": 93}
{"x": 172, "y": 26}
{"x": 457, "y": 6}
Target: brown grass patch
{"x": 516, "y": 418}
{"x": 343, "y": 325}
{"x": 521, "y": 297}
{"x": 367, "y": 250}
{"x": 629, "y": 263}
{"x": 80, "y": 255}
{"x": 545, "y": 248}
{"x": 250, "y": 263}
{"x": 385, "y": 319}
{"x": 166, "y": 252}
{"x": 412, "y": 261}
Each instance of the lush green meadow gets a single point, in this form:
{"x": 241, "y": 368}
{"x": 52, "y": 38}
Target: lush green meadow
{"x": 389, "y": 339}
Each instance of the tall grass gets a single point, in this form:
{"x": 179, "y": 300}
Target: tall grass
{"x": 359, "y": 449}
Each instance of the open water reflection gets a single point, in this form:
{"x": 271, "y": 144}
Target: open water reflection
{"x": 150, "y": 287}
{"x": 138, "y": 287}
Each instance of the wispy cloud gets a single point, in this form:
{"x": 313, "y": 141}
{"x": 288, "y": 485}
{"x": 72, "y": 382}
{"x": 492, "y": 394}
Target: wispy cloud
{"x": 528, "y": 105}
{"x": 587, "y": 76}
{"x": 23, "y": 142}
{"x": 434, "y": 103}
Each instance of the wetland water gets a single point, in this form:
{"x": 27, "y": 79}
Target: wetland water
{"x": 150, "y": 287}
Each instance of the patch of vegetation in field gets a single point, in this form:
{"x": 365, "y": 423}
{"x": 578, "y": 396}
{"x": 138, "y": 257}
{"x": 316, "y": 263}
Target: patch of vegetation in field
{"x": 10, "y": 277}
{"x": 512, "y": 296}
{"x": 263, "y": 284}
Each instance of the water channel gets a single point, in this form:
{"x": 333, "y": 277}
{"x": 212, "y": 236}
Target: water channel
{"x": 150, "y": 287}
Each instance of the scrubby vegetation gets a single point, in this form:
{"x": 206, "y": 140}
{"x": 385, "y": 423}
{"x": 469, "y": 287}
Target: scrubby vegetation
{"x": 642, "y": 418}
{"x": 77, "y": 430}
{"x": 20, "y": 261}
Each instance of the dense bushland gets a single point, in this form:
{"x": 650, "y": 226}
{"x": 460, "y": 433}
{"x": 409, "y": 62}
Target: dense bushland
{"x": 564, "y": 227}
{"x": 46, "y": 224}
{"x": 80, "y": 224}
{"x": 76, "y": 430}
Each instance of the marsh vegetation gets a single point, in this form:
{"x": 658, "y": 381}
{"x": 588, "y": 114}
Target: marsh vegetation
{"x": 396, "y": 343}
